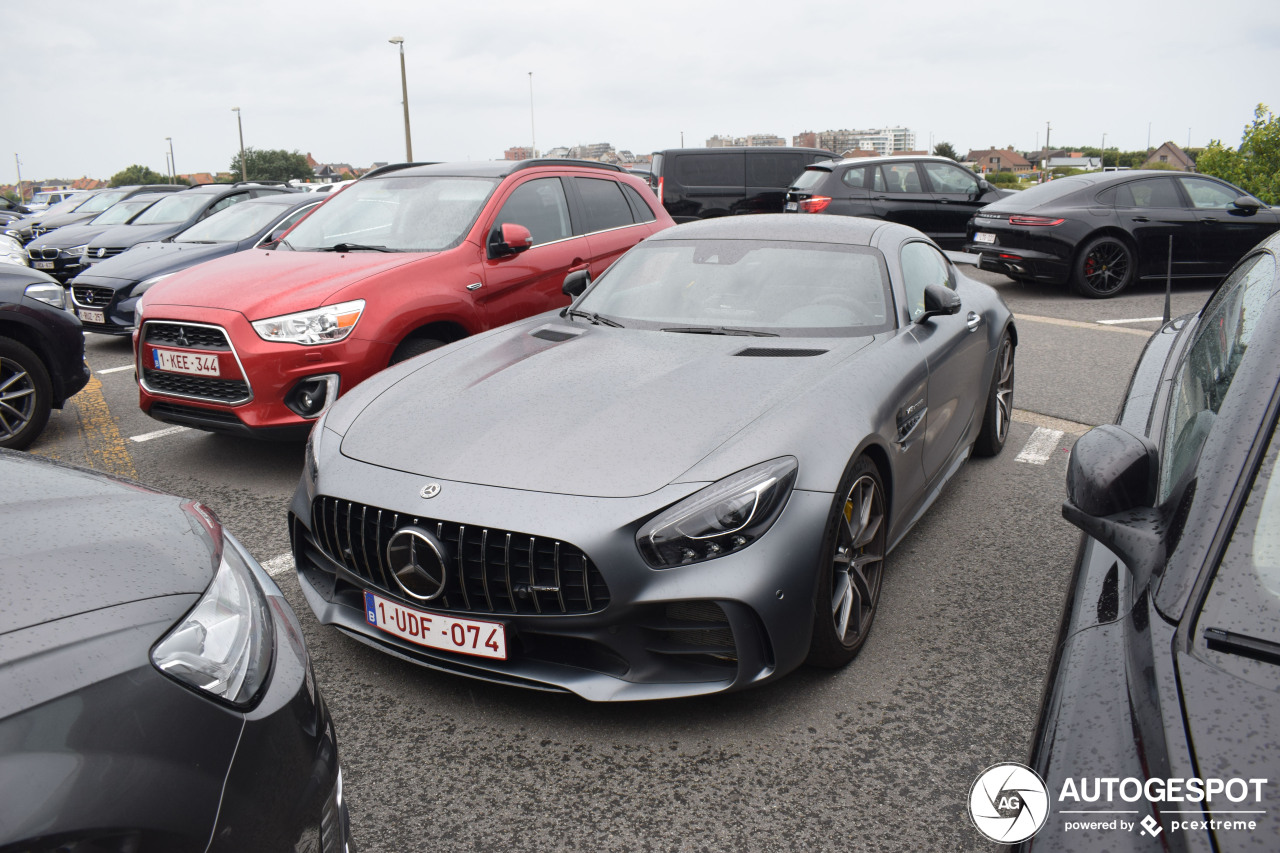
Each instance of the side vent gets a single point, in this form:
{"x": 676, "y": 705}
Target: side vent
{"x": 549, "y": 333}
{"x": 779, "y": 352}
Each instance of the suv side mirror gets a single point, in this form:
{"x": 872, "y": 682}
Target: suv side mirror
{"x": 510, "y": 239}
{"x": 1247, "y": 204}
{"x": 575, "y": 283}
{"x": 1111, "y": 495}
{"x": 983, "y": 185}
{"x": 939, "y": 300}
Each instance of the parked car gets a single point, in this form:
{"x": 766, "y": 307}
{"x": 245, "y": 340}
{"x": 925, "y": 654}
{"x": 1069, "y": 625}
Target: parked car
{"x": 643, "y": 496}
{"x": 11, "y": 252}
{"x": 1167, "y": 663}
{"x": 11, "y": 210}
{"x": 91, "y": 205}
{"x": 48, "y": 198}
{"x": 703, "y": 183}
{"x": 60, "y": 252}
{"x": 104, "y": 297}
{"x": 175, "y": 214}
{"x": 1101, "y": 232}
{"x": 405, "y": 259}
{"x": 157, "y": 691}
{"x": 935, "y": 195}
{"x": 22, "y": 228}
{"x": 41, "y": 354}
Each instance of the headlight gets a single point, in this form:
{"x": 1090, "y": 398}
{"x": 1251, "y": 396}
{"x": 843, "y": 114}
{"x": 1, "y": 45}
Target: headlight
{"x": 320, "y": 326}
{"x": 73, "y": 252}
{"x": 50, "y": 294}
{"x": 723, "y": 518}
{"x": 143, "y": 286}
{"x": 224, "y": 646}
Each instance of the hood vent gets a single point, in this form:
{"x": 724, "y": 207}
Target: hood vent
{"x": 779, "y": 352}
{"x": 548, "y": 333}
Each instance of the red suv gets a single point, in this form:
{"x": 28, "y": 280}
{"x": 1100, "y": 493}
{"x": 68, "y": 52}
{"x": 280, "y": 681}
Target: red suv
{"x": 406, "y": 259}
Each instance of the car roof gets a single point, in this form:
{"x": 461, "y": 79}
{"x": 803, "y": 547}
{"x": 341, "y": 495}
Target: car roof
{"x": 218, "y": 188}
{"x": 886, "y": 158}
{"x": 757, "y": 149}
{"x": 849, "y": 230}
{"x": 490, "y": 168}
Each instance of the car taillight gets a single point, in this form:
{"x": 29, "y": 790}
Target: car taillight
{"x": 659, "y": 190}
{"x": 1034, "y": 220}
{"x": 816, "y": 204}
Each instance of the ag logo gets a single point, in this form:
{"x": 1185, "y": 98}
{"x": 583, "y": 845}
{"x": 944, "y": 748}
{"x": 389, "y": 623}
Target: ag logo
{"x": 1008, "y": 803}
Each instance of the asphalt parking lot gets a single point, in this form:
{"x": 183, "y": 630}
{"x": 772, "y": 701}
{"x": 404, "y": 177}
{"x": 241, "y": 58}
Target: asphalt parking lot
{"x": 877, "y": 756}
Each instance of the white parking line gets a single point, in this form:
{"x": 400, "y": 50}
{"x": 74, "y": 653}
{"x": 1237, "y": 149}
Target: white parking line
{"x": 1040, "y": 446}
{"x": 160, "y": 433}
{"x": 1134, "y": 320}
{"x": 115, "y": 370}
{"x": 277, "y": 566}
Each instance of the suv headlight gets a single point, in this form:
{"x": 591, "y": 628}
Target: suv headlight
{"x": 50, "y": 294}
{"x": 224, "y": 645}
{"x": 723, "y": 518}
{"x": 319, "y": 326}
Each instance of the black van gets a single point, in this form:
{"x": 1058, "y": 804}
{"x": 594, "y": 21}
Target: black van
{"x": 702, "y": 183}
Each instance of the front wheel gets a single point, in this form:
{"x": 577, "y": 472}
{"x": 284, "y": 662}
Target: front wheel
{"x": 852, "y": 567}
{"x": 1104, "y": 268}
{"x": 999, "y": 408}
{"x": 26, "y": 395}
{"x": 411, "y": 347}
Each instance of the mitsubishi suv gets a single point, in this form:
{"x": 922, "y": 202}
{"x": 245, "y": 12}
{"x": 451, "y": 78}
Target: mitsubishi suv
{"x": 408, "y": 258}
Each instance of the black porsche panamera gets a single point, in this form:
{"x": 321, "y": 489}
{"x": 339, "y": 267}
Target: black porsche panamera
{"x": 686, "y": 482}
{"x": 1167, "y": 665}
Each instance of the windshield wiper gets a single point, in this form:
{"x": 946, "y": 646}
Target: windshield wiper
{"x": 721, "y": 330}
{"x": 354, "y": 247}
{"x": 1231, "y": 643}
{"x": 199, "y": 242}
{"x": 596, "y": 319}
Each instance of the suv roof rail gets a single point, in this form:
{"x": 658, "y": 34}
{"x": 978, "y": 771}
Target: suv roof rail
{"x": 565, "y": 161}
{"x": 395, "y": 167}
{"x": 260, "y": 183}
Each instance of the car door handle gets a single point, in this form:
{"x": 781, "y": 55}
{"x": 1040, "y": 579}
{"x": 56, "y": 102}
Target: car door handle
{"x": 1141, "y": 219}
{"x": 973, "y": 321}
{"x": 944, "y": 201}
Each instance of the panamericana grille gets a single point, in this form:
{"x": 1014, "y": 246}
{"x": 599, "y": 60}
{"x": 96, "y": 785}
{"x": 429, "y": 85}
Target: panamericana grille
{"x": 181, "y": 335}
{"x": 488, "y": 570}
{"x": 203, "y": 387}
{"x": 92, "y": 297}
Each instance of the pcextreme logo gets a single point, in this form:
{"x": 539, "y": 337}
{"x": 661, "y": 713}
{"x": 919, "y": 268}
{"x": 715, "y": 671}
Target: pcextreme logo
{"x": 1009, "y": 803}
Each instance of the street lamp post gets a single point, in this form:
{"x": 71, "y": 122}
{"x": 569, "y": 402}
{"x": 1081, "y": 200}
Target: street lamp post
{"x": 244, "y": 171}
{"x": 1102, "y": 155}
{"x": 533, "y": 137}
{"x": 173, "y": 166}
{"x": 404, "y": 92}
{"x": 18, "y": 163}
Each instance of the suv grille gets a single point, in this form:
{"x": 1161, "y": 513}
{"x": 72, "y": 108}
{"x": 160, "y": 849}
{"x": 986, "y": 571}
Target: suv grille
{"x": 202, "y": 387}
{"x": 488, "y": 570}
{"x": 102, "y": 253}
{"x": 92, "y": 297}
{"x": 183, "y": 335}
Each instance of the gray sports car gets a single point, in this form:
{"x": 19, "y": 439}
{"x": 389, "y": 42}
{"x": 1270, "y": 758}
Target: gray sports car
{"x": 686, "y": 482}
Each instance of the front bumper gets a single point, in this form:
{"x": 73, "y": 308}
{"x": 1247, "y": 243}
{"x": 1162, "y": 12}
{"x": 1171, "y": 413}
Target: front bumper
{"x": 720, "y": 625}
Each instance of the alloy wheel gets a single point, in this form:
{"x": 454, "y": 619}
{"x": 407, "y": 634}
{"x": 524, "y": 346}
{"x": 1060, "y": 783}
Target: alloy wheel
{"x": 1106, "y": 267}
{"x": 1004, "y": 389}
{"x": 858, "y": 566}
{"x": 17, "y": 398}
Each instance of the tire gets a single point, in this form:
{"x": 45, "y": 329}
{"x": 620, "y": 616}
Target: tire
{"x": 999, "y": 408}
{"x": 1104, "y": 268}
{"x": 26, "y": 395}
{"x": 411, "y": 347}
{"x": 852, "y": 569}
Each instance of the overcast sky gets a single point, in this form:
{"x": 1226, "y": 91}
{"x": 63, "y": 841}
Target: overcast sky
{"x": 92, "y": 86}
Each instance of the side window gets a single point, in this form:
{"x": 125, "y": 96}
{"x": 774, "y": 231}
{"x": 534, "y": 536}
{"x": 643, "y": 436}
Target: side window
{"x": 1210, "y": 365}
{"x": 289, "y": 221}
{"x": 856, "y": 177}
{"x": 922, "y": 265}
{"x": 642, "y": 211}
{"x": 1208, "y": 194}
{"x": 710, "y": 170}
{"x": 225, "y": 203}
{"x": 603, "y": 204}
{"x": 878, "y": 179}
{"x": 950, "y": 179}
{"x": 901, "y": 177}
{"x": 1154, "y": 192}
{"x": 540, "y": 206}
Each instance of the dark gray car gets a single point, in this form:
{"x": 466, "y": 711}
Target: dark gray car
{"x": 686, "y": 482}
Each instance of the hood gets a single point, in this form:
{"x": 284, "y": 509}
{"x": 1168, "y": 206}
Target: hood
{"x": 130, "y": 235}
{"x": 72, "y": 542}
{"x": 147, "y": 260}
{"x": 68, "y": 236}
{"x": 260, "y": 283}
{"x": 605, "y": 413}
{"x": 61, "y": 220}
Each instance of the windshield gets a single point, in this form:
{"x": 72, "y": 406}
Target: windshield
{"x": 102, "y": 201}
{"x": 121, "y": 211}
{"x": 238, "y": 222}
{"x": 774, "y": 286}
{"x": 402, "y": 214}
{"x": 67, "y": 205}
{"x": 178, "y": 207}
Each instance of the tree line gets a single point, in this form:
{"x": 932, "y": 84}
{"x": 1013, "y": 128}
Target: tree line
{"x": 259, "y": 165}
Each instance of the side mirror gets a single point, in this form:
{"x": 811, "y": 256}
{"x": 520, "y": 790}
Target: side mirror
{"x": 510, "y": 239}
{"x": 983, "y": 185}
{"x": 939, "y": 300}
{"x": 1247, "y": 204}
{"x": 575, "y": 283}
{"x": 1111, "y": 494}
